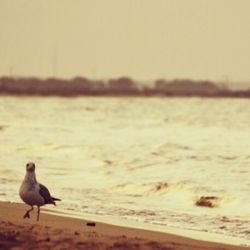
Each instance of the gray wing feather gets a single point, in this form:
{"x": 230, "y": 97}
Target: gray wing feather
{"x": 44, "y": 192}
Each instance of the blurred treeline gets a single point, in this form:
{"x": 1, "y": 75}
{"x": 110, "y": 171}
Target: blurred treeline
{"x": 124, "y": 86}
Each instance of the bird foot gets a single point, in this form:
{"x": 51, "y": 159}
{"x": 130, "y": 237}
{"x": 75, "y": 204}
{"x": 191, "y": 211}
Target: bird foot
{"x": 27, "y": 215}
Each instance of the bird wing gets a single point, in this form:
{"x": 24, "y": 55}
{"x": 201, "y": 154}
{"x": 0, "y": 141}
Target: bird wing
{"x": 44, "y": 192}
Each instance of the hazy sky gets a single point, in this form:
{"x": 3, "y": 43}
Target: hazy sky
{"x": 144, "y": 39}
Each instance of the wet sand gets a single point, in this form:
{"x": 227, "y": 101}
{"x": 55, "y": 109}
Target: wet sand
{"x": 61, "y": 232}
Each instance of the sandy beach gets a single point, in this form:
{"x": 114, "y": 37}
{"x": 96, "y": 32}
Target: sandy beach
{"x": 61, "y": 232}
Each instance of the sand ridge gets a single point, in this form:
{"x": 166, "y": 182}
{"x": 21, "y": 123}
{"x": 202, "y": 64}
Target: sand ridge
{"x": 57, "y": 232}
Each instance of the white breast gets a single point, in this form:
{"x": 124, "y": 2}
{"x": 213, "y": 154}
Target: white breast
{"x": 30, "y": 194}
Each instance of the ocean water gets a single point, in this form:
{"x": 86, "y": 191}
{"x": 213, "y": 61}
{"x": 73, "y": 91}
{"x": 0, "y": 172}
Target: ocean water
{"x": 141, "y": 159}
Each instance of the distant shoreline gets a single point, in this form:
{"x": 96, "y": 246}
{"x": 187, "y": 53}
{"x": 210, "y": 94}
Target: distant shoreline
{"x": 124, "y": 86}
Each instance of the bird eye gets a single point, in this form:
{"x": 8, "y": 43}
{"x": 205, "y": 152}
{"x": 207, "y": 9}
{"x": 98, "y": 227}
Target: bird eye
{"x": 27, "y": 164}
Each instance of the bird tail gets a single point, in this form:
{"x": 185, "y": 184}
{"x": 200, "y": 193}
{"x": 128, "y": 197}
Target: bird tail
{"x": 53, "y": 200}
{"x": 56, "y": 199}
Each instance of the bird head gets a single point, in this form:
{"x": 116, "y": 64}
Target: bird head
{"x": 30, "y": 167}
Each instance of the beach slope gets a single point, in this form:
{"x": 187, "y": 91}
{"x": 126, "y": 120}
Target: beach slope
{"x": 61, "y": 232}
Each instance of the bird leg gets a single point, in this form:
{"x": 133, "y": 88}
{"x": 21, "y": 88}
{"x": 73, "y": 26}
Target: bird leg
{"x": 27, "y": 214}
{"x": 38, "y": 213}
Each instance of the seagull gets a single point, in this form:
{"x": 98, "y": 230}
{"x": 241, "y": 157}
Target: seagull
{"x": 34, "y": 193}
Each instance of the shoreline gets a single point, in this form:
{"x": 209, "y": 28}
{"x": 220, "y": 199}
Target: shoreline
{"x": 62, "y": 230}
{"x": 156, "y": 228}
